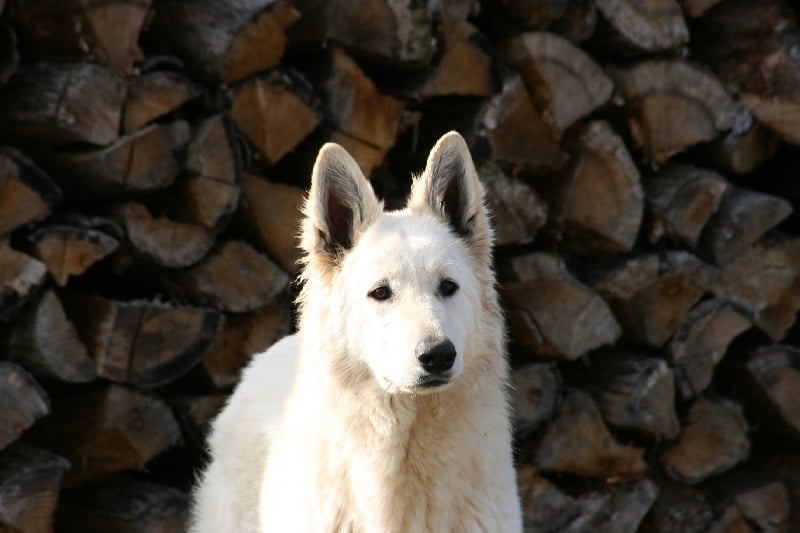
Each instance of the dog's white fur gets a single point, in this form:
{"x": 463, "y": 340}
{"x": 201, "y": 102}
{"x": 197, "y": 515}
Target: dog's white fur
{"x": 333, "y": 429}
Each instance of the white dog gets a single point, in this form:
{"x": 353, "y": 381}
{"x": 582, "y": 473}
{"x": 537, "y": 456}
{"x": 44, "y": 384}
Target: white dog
{"x": 387, "y": 411}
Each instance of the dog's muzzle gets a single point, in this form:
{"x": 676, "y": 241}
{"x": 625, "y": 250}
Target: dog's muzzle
{"x": 436, "y": 359}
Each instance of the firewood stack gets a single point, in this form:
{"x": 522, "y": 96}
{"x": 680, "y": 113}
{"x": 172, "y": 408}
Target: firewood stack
{"x": 639, "y": 158}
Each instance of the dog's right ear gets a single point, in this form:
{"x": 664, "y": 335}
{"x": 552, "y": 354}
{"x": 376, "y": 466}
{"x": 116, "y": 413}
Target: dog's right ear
{"x": 341, "y": 204}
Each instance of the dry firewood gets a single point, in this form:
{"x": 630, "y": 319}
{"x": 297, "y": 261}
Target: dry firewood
{"x": 233, "y": 278}
{"x": 464, "y": 69}
{"x": 100, "y": 31}
{"x": 143, "y": 161}
{"x": 564, "y": 83}
{"x": 701, "y": 342}
{"x": 23, "y": 402}
{"x": 750, "y": 495}
{"x": 112, "y": 428}
{"x": 635, "y": 393}
{"x": 241, "y": 337}
{"x": 59, "y": 103}
{"x": 695, "y": 8}
{"x": 672, "y": 105}
{"x": 713, "y": 440}
{"x": 123, "y": 504}
{"x": 544, "y": 506}
{"x": 153, "y": 95}
{"x": 397, "y": 32}
{"x": 67, "y": 249}
{"x": 221, "y": 41}
{"x": 741, "y": 152}
{"x": 619, "y": 509}
{"x": 365, "y": 121}
{"x": 26, "y": 192}
{"x": 552, "y": 313}
{"x": 517, "y": 132}
{"x": 144, "y": 343}
{"x": 536, "y": 389}
{"x": 598, "y": 198}
{"x": 293, "y": 111}
{"x": 576, "y": 441}
{"x": 743, "y": 217}
{"x": 636, "y": 26}
{"x": 271, "y": 212}
{"x": 579, "y": 21}
{"x": 20, "y": 275}
{"x": 194, "y": 415}
{"x": 45, "y": 342}
{"x": 764, "y": 280}
{"x": 688, "y": 512}
{"x": 681, "y": 200}
{"x": 517, "y": 211}
{"x": 650, "y": 296}
{"x": 29, "y": 488}
{"x": 161, "y": 240}
{"x": 9, "y": 57}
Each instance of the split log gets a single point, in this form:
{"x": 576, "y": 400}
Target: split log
{"x": 61, "y": 103}
{"x": 638, "y": 27}
{"x": 23, "y": 402}
{"x": 552, "y": 313}
{"x": 517, "y": 132}
{"x": 272, "y": 212}
{"x": 743, "y": 217}
{"x": 144, "y": 343}
{"x": 391, "y": 31}
{"x": 672, "y": 105}
{"x": 20, "y": 275}
{"x": 535, "y": 393}
{"x": 764, "y": 279}
{"x": 517, "y": 211}
{"x": 564, "y": 83}
{"x": 98, "y": 31}
{"x": 29, "y": 488}
{"x": 113, "y": 428}
{"x": 45, "y": 342}
{"x": 464, "y": 69}
{"x": 701, "y": 342}
{"x": 690, "y": 513}
{"x": 241, "y": 337}
{"x": 713, "y": 440}
{"x": 9, "y": 57}
{"x": 635, "y": 393}
{"x": 194, "y": 415}
{"x": 144, "y": 161}
{"x": 681, "y": 200}
{"x": 233, "y": 278}
{"x": 26, "y": 192}
{"x": 598, "y": 199}
{"x": 579, "y": 21}
{"x": 649, "y": 296}
{"x": 741, "y": 152}
{"x": 287, "y": 100}
{"x": 123, "y": 504}
{"x": 544, "y": 506}
{"x": 222, "y": 42}
{"x": 153, "y": 95}
{"x": 68, "y": 250}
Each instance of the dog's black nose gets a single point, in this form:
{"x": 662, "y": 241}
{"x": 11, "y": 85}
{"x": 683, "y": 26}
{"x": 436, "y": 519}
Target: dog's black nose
{"x": 436, "y": 358}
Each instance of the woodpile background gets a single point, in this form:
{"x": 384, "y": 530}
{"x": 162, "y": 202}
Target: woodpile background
{"x": 641, "y": 160}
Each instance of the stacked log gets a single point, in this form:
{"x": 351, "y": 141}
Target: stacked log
{"x": 637, "y": 157}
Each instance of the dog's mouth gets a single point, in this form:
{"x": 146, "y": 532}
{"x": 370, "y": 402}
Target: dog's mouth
{"x": 432, "y": 383}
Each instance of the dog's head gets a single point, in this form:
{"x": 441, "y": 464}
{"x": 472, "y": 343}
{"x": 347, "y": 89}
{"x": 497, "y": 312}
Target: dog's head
{"x": 404, "y": 289}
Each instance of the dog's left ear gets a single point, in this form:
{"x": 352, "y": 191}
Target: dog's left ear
{"x": 450, "y": 188}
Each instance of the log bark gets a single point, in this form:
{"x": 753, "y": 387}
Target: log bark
{"x": 576, "y": 441}
{"x": 552, "y": 313}
{"x": 742, "y": 152}
{"x": 123, "y": 504}
{"x": 46, "y": 342}
{"x": 102, "y": 32}
{"x": 153, "y": 95}
{"x": 26, "y": 192}
{"x": 29, "y": 488}
{"x": 637, "y": 27}
{"x": 20, "y": 275}
{"x": 535, "y": 394}
{"x": 564, "y": 83}
{"x": 144, "y": 343}
{"x": 23, "y": 400}
{"x": 61, "y": 103}
{"x": 225, "y": 279}
{"x": 713, "y": 440}
{"x": 113, "y": 428}
{"x": 672, "y": 105}
{"x": 218, "y": 41}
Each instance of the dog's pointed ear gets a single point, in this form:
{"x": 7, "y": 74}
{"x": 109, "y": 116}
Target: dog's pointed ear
{"x": 450, "y": 188}
{"x": 340, "y": 204}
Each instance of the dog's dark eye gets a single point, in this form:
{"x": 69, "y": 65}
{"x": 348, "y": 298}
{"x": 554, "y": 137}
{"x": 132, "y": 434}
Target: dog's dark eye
{"x": 447, "y": 287}
{"x": 380, "y": 293}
